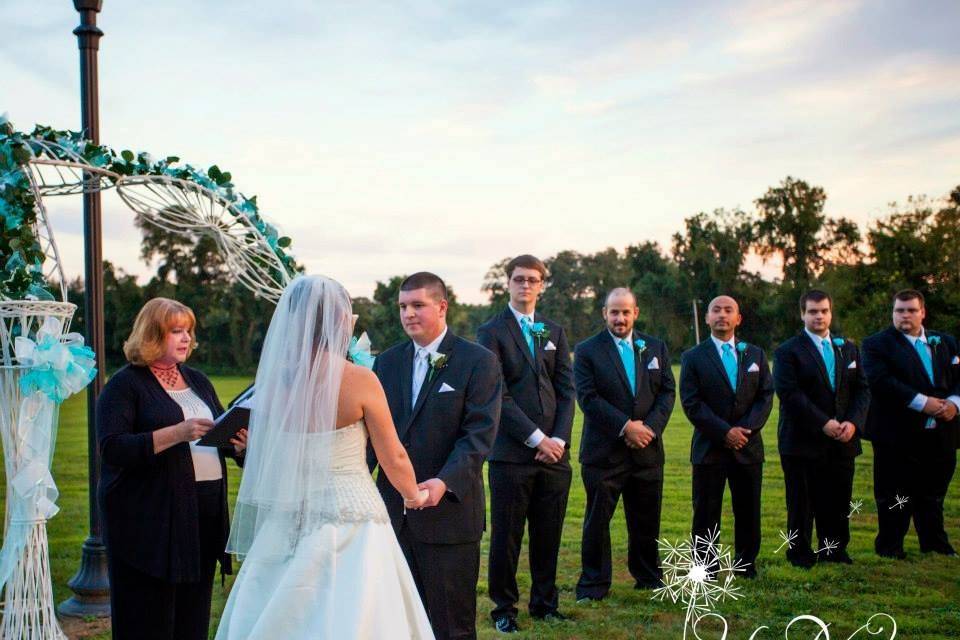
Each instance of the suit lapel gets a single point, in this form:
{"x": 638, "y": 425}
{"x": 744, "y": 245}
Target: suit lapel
{"x": 818, "y": 359}
{"x": 446, "y": 346}
{"x": 611, "y": 348}
{"x": 406, "y": 386}
{"x": 513, "y": 327}
{"x": 639, "y": 361}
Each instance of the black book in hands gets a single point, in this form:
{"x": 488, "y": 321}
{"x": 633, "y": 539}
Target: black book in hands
{"x": 236, "y": 417}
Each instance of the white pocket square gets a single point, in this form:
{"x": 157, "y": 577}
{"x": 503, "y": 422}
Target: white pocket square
{"x": 654, "y": 364}
{"x": 444, "y": 388}
{"x": 956, "y": 360}
{"x": 753, "y": 368}
{"x": 852, "y": 365}
{"x": 550, "y": 346}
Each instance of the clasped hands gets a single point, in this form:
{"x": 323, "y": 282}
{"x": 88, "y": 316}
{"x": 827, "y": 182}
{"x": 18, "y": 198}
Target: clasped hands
{"x": 940, "y": 409}
{"x": 737, "y": 438}
{"x": 429, "y": 494}
{"x": 637, "y": 435}
{"x": 840, "y": 431}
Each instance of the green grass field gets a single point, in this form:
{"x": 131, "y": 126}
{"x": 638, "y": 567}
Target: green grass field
{"x": 922, "y": 593}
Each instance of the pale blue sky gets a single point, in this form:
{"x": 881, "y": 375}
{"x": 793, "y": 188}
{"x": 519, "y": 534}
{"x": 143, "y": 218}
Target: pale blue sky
{"x": 389, "y": 137}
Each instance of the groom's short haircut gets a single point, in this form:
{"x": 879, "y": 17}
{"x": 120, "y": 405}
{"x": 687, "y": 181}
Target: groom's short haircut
{"x": 526, "y": 261}
{"x": 814, "y": 295}
{"x": 425, "y": 280}
{"x": 906, "y": 295}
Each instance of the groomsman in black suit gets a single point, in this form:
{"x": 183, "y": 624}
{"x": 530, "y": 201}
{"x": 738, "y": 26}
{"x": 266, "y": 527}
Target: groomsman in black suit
{"x": 529, "y": 466}
{"x": 626, "y": 390}
{"x": 914, "y": 378}
{"x": 727, "y": 393}
{"x": 824, "y": 400}
{"x": 444, "y": 394}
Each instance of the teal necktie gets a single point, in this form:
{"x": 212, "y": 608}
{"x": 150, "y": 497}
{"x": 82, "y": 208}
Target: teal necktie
{"x": 528, "y": 335}
{"x": 829, "y": 361}
{"x": 925, "y": 358}
{"x": 629, "y": 364}
{"x": 730, "y": 364}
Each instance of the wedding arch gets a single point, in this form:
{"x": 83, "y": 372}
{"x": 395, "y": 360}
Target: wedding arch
{"x": 41, "y": 362}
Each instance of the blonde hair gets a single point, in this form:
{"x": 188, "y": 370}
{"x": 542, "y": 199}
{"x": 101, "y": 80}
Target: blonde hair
{"x": 147, "y": 341}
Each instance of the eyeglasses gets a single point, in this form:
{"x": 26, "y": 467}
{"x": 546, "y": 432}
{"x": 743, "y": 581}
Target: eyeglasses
{"x": 519, "y": 280}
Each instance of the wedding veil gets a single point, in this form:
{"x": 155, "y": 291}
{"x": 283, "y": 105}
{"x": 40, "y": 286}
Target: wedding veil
{"x": 286, "y": 481}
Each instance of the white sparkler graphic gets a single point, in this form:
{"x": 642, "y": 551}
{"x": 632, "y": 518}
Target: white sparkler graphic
{"x": 899, "y": 502}
{"x": 855, "y": 506}
{"x": 698, "y": 572}
{"x": 829, "y": 546}
{"x": 788, "y": 539}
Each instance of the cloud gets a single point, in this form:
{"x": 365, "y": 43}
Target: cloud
{"x": 783, "y": 30}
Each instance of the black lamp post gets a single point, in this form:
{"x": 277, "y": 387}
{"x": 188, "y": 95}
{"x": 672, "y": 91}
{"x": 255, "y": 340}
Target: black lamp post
{"x": 91, "y": 586}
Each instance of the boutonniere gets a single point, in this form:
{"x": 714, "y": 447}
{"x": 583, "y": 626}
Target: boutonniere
{"x": 742, "y": 347}
{"x": 839, "y": 342}
{"x": 933, "y": 341}
{"x": 540, "y": 331}
{"x": 437, "y": 362}
{"x": 641, "y": 346}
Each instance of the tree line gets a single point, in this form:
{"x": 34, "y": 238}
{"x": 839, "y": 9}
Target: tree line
{"x": 916, "y": 244}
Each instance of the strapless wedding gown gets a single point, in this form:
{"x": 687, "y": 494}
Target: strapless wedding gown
{"x": 346, "y": 576}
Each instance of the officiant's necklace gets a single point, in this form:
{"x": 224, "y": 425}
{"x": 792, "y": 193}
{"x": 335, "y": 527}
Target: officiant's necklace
{"x": 168, "y": 376}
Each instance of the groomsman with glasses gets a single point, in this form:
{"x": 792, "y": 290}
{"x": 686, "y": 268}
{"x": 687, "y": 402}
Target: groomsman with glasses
{"x": 626, "y": 390}
{"x": 727, "y": 393}
{"x": 824, "y": 400}
{"x": 529, "y": 465}
{"x": 914, "y": 377}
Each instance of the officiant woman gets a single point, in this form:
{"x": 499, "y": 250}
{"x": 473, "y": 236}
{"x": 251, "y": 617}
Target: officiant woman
{"x": 163, "y": 499}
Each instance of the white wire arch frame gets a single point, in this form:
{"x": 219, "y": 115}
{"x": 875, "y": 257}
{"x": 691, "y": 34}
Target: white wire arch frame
{"x": 178, "y": 206}
{"x": 189, "y": 209}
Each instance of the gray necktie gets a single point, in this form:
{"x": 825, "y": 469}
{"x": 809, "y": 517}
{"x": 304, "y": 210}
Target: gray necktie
{"x": 419, "y": 372}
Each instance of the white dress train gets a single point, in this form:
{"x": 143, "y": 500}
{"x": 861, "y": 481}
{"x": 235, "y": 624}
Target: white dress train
{"x": 346, "y": 578}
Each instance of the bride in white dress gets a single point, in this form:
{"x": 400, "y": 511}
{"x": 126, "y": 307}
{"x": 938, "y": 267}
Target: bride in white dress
{"x": 320, "y": 559}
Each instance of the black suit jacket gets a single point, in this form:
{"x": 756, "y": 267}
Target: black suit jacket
{"x": 603, "y": 392}
{"x": 713, "y": 407}
{"x": 896, "y": 376}
{"x": 807, "y": 402}
{"x": 537, "y": 391}
{"x": 447, "y": 435}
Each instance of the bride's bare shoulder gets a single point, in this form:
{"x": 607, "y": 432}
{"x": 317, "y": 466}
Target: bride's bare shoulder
{"x": 358, "y": 378}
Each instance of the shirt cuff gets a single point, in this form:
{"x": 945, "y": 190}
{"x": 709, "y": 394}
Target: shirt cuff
{"x": 563, "y": 443}
{"x": 624, "y": 428}
{"x": 955, "y": 400}
{"x": 535, "y": 439}
{"x": 918, "y": 403}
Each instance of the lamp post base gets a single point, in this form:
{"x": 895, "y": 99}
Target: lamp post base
{"x": 91, "y": 584}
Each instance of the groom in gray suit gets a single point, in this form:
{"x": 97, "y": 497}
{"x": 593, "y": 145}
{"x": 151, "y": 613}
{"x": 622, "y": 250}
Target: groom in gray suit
{"x": 444, "y": 394}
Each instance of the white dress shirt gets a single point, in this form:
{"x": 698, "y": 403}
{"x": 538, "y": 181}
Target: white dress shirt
{"x": 535, "y": 438}
{"x": 920, "y": 400}
{"x": 718, "y": 343}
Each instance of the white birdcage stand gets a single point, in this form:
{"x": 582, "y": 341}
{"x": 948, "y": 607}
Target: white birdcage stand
{"x": 28, "y": 610}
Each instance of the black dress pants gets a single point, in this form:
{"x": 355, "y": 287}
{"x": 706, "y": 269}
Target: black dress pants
{"x": 919, "y": 475}
{"x": 446, "y": 576}
{"x": 144, "y": 607}
{"x": 817, "y": 489}
{"x": 709, "y": 482}
{"x": 642, "y": 489}
{"x": 535, "y": 495}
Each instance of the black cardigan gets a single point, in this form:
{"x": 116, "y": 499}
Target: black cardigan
{"x": 148, "y": 500}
